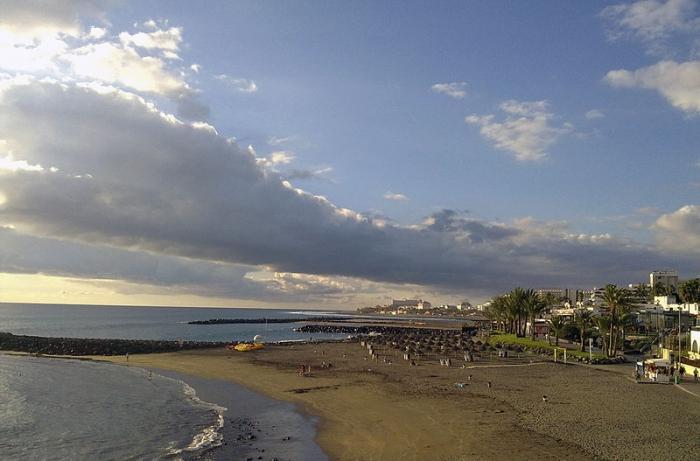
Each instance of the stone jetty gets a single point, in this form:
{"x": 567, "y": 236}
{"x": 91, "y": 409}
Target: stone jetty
{"x": 264, "y": 320}
{"x": 367, "y": 329}
{"x": 88, "y": 346}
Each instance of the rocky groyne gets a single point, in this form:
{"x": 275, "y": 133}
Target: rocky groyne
{"x": 265, "y": 320}
{"x": 367, "y": 329}
{"x": 88, "y": 346}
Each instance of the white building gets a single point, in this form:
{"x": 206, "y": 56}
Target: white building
{"x": 671, "y": 303}
{"x": 695, "y": 343}
{"x": 410, "y": 303}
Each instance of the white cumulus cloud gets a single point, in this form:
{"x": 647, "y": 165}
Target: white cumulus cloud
{"x": 395, "y": 197}
{"x": 679, "y": 230}
{"x": 243, "y": 85}
{"x": 678, "y": 82}
{"x": 456, "y": 90}
{"x": 123, "y": 65}
{"x": 527, "y": 130}
{"x": 653, "y": 22}
{"x": 594, "y": 114}
{"x": 39, "y": 19}
{"x": 161, "y": 39}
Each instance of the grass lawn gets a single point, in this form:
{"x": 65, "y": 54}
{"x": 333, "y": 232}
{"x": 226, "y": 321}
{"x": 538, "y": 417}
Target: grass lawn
{"x": 527, "y": 342}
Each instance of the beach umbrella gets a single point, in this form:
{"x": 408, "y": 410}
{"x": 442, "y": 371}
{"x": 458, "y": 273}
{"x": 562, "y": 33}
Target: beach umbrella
{"x": 257, "y": 339}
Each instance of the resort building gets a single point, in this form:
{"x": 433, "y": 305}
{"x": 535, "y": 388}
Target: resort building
{"x": 560, "y": 293}
{"x": 671, "y": 303}
{"x": 592, "y": 297}
{"x": 666, "y": 302}
{"x": 656, "y": 318}
{"x": 668, "y": 278}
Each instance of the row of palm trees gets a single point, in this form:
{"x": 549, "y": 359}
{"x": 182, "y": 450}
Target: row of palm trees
{"x": 513, "y": 310}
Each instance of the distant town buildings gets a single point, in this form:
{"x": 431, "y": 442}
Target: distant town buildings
{"x": 652, "y": 313}
{"x": 411, "y": 304}
{"x": 464, "y": 310}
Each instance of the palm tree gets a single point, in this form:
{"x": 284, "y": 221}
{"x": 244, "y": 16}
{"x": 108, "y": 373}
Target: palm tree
{"x": 497, "y": 311}
{"x": 557, "y": 325}
{"x": 659, "y": 289}
{"x": 689, "y": 291}
{"x": 643, "y": 291}
{"x": 626, "y": 322}
{"x": 603, "y": 324}
{"x": 549, "y": 300}
{"x": 516, "y": 308}
{"x": 533, "y": 307}
{"x": 583, "y": 320}
{"x": 618, "y": 302}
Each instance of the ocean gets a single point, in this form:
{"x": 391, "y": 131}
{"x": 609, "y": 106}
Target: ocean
{"x": 57, "y": 409}
{"x": 167, "y": 323}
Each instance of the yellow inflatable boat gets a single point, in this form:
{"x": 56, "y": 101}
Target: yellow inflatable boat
{"x": 245, "y": 347}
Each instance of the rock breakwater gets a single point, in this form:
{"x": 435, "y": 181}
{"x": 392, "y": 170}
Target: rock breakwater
{"x": 90, "y": 346}
{"x": 264, "y": 320}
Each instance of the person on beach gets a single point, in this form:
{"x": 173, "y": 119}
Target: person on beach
{"x": 695, "y": 375}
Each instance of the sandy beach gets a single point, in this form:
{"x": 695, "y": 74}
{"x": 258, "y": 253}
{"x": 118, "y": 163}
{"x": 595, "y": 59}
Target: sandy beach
{"x": 379, "y": 411}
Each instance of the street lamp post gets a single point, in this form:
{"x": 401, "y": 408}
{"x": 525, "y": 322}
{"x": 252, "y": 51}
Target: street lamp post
{"x": 680, "y": 352}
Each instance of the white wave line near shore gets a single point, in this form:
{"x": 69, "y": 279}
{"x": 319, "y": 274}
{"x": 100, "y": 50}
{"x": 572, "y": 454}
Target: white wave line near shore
{"x": 211, "y": 436}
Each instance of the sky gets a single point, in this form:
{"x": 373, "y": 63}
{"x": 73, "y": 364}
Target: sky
{"x": 335, "y": 154}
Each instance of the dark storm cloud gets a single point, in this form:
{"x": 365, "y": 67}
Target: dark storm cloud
{"x": 125, "y": 175}
{"x": 24, "y": 254}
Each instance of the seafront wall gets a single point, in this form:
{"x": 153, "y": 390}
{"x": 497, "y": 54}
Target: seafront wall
{"x": 88, "y": 346}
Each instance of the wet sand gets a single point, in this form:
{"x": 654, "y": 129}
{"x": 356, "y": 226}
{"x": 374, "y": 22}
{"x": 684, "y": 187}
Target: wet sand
{"x": 255, "y": 426}
{"x": 378, "y": 411}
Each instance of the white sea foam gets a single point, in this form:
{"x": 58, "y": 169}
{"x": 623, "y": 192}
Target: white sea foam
{"x": 211, "y": 436}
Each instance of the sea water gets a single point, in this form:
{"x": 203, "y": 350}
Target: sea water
{"x": 70, "y": 409}
{"x": 56, "y": 409}
{"x": 166, "y": 323}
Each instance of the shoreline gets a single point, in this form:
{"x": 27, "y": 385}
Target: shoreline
{"x": 254, "y": 425}
{"x": 362, "y": 421}
{"x": 385, "y": 411}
